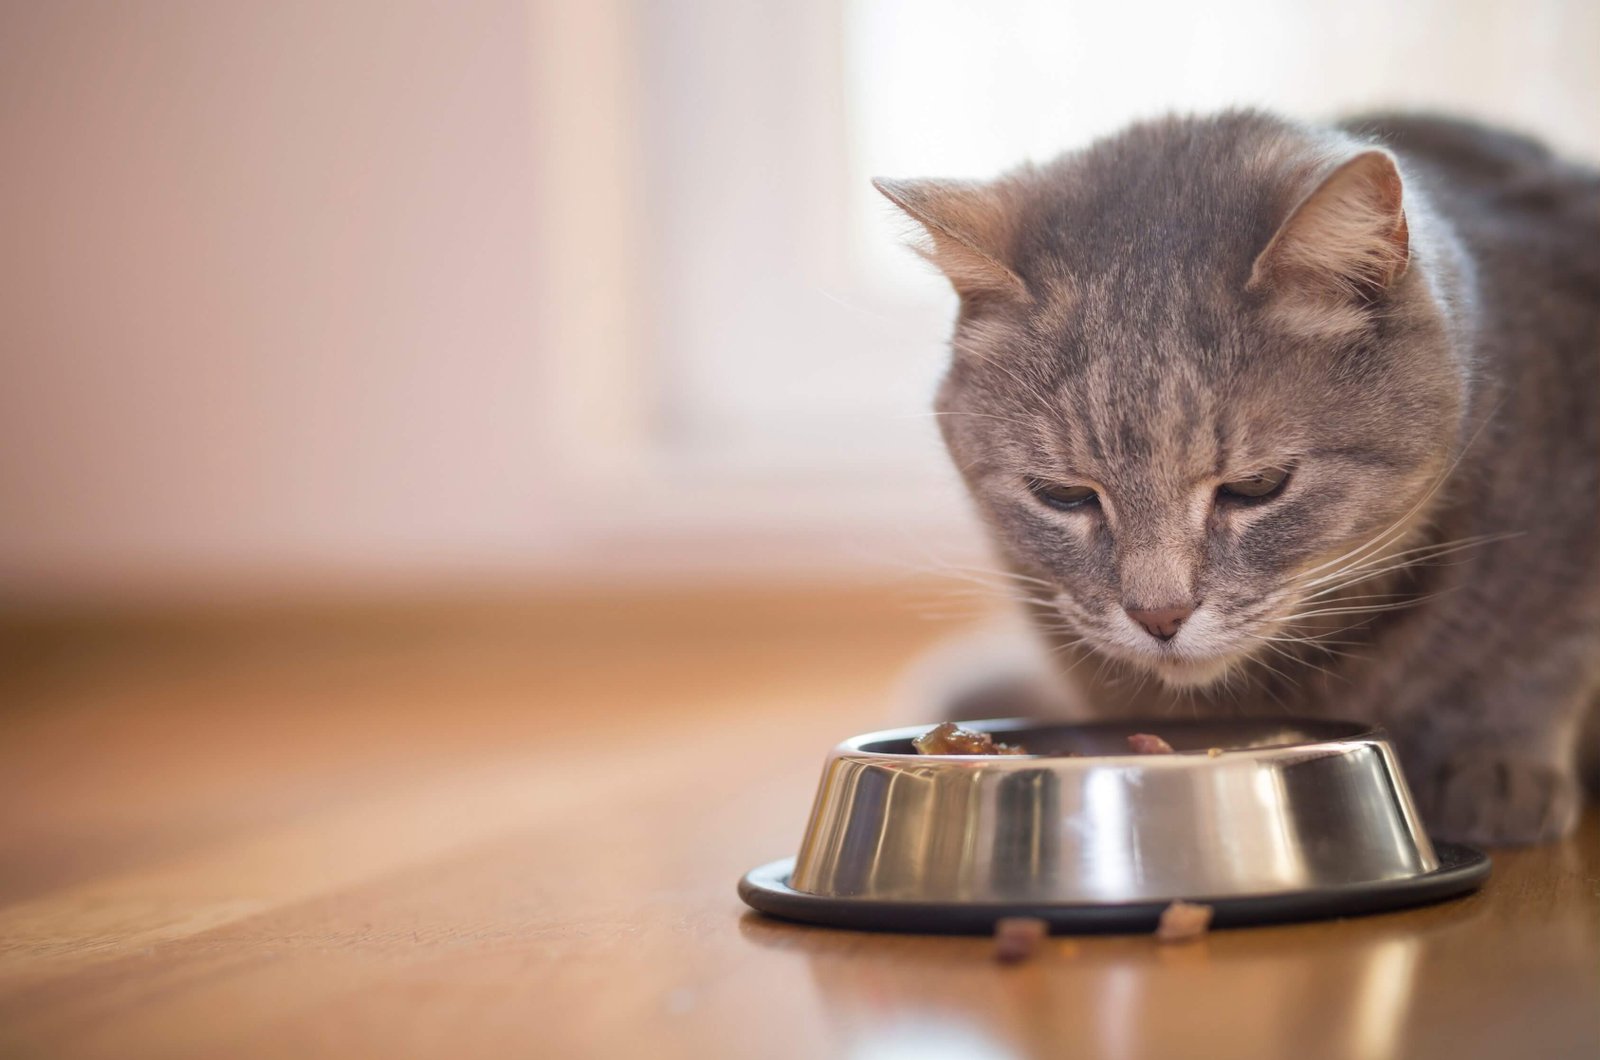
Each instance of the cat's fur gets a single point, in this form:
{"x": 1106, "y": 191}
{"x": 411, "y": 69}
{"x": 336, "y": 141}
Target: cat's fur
{"x": 1406, "y": 311}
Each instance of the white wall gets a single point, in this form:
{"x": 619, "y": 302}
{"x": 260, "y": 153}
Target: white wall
{"x": 267, "y": 278}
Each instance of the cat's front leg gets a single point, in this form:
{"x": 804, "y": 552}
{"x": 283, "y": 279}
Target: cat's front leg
{"x": 1495, "y": 761}
{"x": 1496, "y": 794}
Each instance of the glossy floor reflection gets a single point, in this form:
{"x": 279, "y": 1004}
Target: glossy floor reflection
{"x": 1512, "y": 971}
{"x": 493, "y": 833}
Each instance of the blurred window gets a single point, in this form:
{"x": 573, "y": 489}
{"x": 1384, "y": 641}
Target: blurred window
{"x": 790, "y": 322}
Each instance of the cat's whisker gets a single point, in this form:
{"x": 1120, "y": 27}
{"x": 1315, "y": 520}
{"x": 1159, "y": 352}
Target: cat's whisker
{"x": 1421, "y": 555}
{"x": 1273, "y": 669}
{"x": 1330, "y": 611}
{"x": 986, "y": 585}
{"x": 1075, "y": 662}
{"x": 869, "y": 314}
{"x": 991, "y": 572}
{"x": 1263, "y": 684}
{"x": 974, "y": 585}
{"x": 1332, "y": 598}
{"x": 990, "y": 594}
{"x": 980, "y": 572}
{"x": 1332, "y": 595}
{"x": 1322, "y": 599}
{"x": 1290, "y": 638}
{"x": 1274, "y": 642}
{"x": 1302, "y": 661}
{"x": 1453, "y": 544}
{"x": 1371, "y": 610}
{"x": 1334, "y": 633}
{"x": 1310, "y": 644}
{"x": 1333, "y": 652}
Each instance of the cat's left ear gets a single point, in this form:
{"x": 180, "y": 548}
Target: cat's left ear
{"x": 1346, "y": 242}
{"x": 970, "y": 228}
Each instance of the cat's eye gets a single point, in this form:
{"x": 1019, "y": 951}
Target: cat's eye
{"x": 1063, "y": 498}
{"x": 1263, "y": 485}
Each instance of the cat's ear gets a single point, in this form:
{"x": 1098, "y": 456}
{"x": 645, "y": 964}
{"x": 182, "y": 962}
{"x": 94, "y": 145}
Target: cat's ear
{"x": 1345, "y": 242}
{"x": 970, "y": 228}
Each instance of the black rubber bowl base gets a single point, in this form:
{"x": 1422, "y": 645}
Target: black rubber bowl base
{"x": 1461, "y": 870}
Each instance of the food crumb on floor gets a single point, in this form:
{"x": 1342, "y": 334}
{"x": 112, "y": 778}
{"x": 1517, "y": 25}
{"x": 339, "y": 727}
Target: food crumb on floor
{"x": 1018, "y": 938}
{"x": 1183, "y": 922}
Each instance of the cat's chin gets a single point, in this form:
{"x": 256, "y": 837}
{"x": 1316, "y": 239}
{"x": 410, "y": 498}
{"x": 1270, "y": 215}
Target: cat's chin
{"x": 1191, "y": 673}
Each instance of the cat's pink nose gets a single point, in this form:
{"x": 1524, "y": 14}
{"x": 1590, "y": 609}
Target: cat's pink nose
{"x": 1161, "y": 622}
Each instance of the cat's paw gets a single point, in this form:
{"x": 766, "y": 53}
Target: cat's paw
{"x": 1488, "y": 797}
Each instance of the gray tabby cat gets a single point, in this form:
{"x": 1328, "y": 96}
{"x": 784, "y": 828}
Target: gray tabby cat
{"x": 1299, "y": 419}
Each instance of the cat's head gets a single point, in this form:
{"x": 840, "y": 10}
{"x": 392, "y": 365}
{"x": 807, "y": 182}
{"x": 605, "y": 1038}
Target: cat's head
{"x": 1194, "y": 363}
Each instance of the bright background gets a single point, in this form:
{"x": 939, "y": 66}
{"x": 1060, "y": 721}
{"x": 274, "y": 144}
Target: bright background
{"x": 308, "y": 296}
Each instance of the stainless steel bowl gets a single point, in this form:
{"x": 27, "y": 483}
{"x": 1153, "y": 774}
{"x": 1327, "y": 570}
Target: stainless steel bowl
{"x": 1289, "y": 809}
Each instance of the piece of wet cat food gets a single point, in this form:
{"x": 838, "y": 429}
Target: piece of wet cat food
{"x": 1183, "y": 922}
{"x": 1144, "y": 743}
{"x": 1018, "y": 938}
{"x": 950, "y": 739}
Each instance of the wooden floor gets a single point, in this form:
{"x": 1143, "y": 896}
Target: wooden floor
{"x": 516, "y": 830}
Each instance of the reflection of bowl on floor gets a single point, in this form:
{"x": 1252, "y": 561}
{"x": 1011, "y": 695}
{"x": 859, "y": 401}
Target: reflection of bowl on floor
{"x": 1295, "y": 818}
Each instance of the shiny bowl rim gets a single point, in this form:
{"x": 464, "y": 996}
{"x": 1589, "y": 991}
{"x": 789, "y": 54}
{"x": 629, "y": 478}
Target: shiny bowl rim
{"x": 1340, "y": 734}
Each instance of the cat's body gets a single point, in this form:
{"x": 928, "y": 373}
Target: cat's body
{"x": 1266, "y": 418}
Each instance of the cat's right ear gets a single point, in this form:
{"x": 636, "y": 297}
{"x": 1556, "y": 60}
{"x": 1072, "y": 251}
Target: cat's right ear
{"x": 1344, "y": 244}
{"x": 969, "y": 231}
